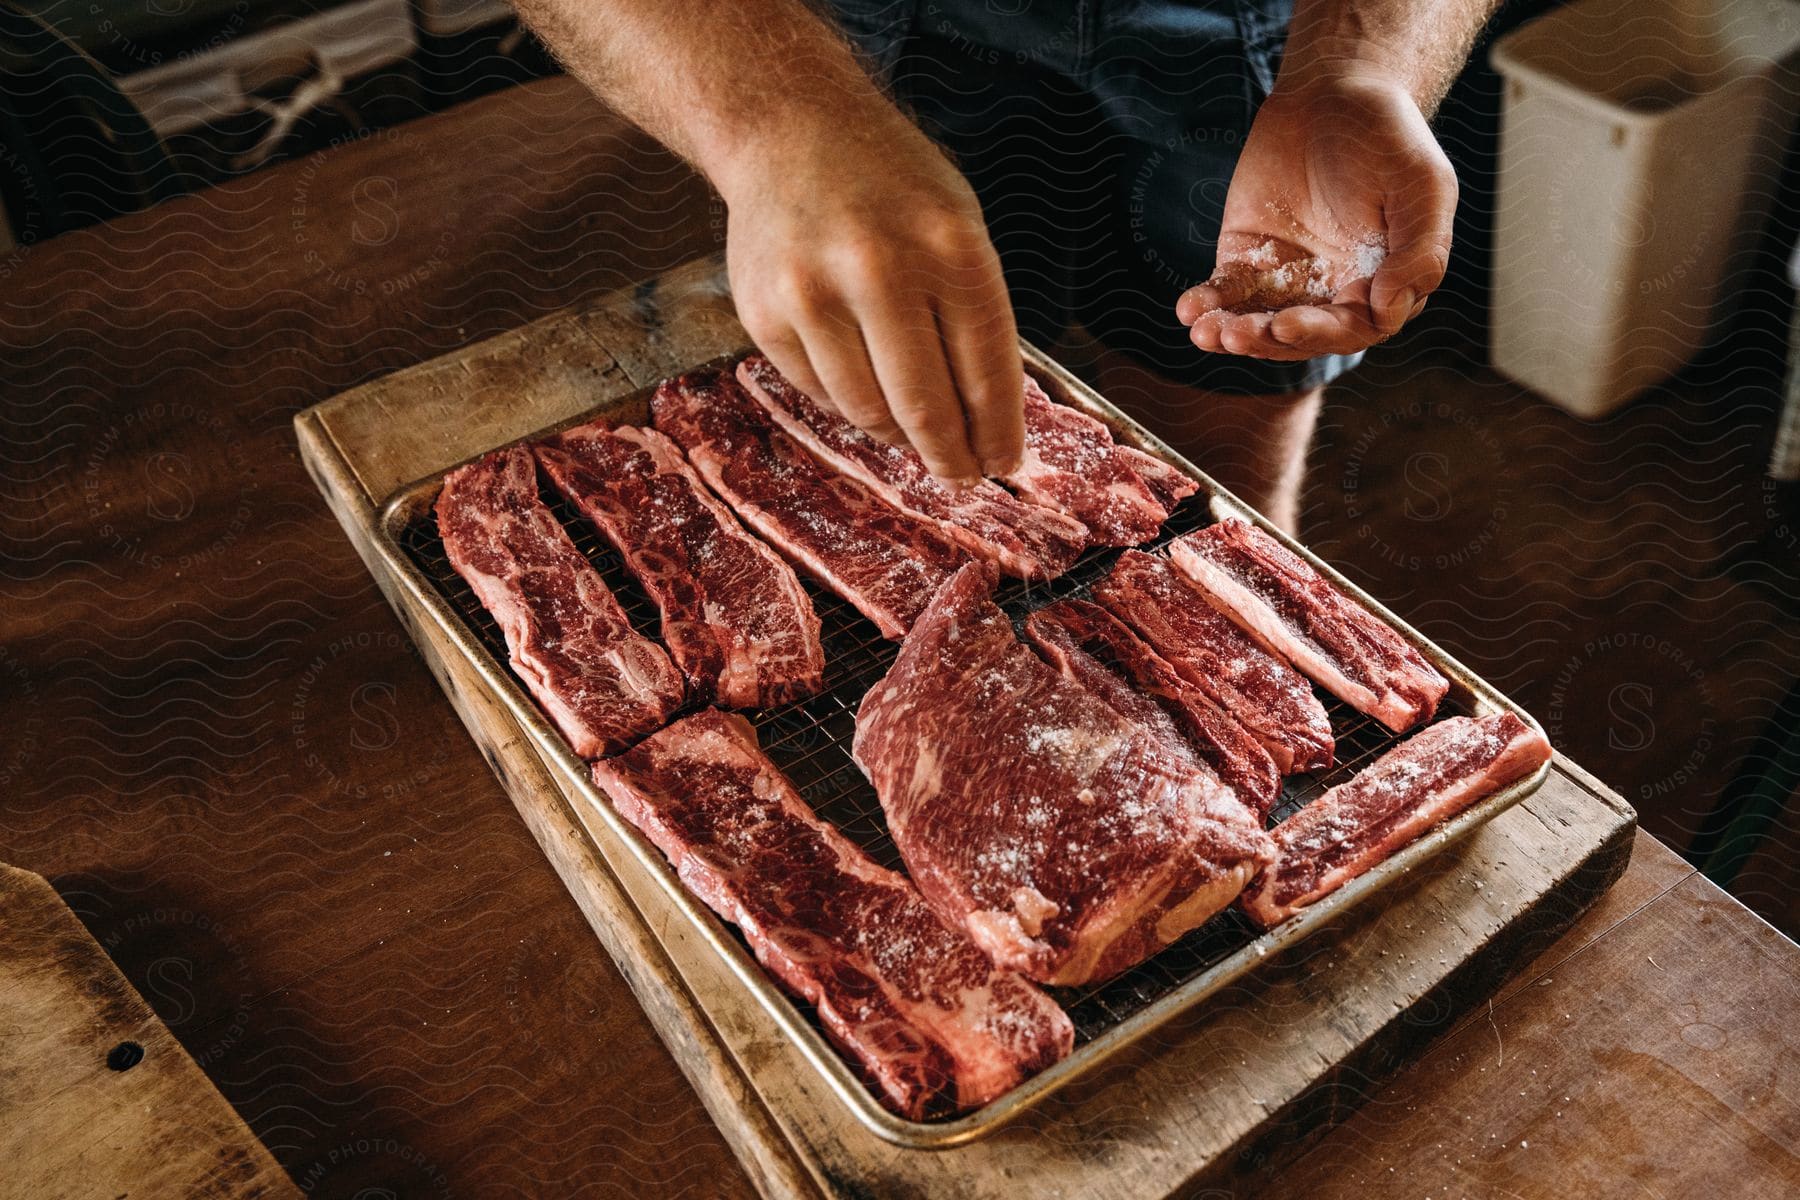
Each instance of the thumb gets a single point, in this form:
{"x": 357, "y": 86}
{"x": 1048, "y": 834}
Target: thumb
{"x": 1420, "y": 213}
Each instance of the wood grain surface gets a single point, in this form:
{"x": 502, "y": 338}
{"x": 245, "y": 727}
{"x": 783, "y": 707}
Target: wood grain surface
{"x": 224, "y": 753}
{"x": 97, "y": 1098}
{"x": 1154, "y": 1121}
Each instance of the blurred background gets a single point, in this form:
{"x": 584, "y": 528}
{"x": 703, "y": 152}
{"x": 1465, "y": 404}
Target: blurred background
{"x": 109, "y": 105}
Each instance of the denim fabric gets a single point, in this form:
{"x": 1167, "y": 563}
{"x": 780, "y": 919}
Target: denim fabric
{"x": 1101, "y": 136}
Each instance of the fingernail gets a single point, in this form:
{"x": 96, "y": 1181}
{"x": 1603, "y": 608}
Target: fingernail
{"x": 1001, "y": 468}
{"x": 1418, "y": 308}
{"x": 1408, "y": 301}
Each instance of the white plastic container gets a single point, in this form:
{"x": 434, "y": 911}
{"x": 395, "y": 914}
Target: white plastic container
{"x": 1640, "y": 145}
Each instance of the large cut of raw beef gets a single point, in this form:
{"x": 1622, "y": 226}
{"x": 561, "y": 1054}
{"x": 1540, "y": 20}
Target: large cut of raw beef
{"x": 602, "y": 683}
{"x": 935, "y": 1025}
{"x": 1277, "y": 597}
{"x": 1072, "y": 464}
{"x": 1095, "y": 649}
{"x": 1266, "y": 696}
{"x": 1069, "y": 840}
{"x": 885, "y": 562}
{"x": 1029, "y": 541}
{"x": 734, "y": 617}
{"x": 1422, "y": 782}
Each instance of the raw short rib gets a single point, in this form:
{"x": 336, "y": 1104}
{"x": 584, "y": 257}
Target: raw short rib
{"x": 1297, "y": 613}
{"x": 1067, "y": 839}
{"x": 734, "y": 617}
{"x": 1425, "y": 780}
{"x": 601, "y": 682}
{"x": 1095, "y": 649}
{"x": 926, "y": 1016}
{"x": 1169, "y": 485}
{"x": 1072, "y": 464}
{"x": 883, "y": 561}
{"x": 1028, "y": 541}
{"x": 1261, "y": 692}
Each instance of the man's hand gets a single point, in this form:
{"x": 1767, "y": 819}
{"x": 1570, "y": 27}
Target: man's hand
{"x": 1337, "y": 224}
{"x": 859, "y": 260}
{"x": 861, "y": 266}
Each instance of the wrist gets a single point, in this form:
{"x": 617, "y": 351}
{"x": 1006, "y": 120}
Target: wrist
{"x": 1330, "y": 65}
{"x": 797, "y": 143}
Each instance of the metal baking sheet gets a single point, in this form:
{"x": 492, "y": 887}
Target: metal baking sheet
{"x": 810, "y": 741}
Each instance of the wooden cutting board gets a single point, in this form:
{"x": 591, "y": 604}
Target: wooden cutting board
{"x": 1239, "y": 1081}
{"x": 97, "y": 1098}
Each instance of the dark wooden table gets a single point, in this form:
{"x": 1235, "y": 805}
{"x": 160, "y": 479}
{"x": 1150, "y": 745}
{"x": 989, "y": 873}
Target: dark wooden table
{"x": 218, "y": 746}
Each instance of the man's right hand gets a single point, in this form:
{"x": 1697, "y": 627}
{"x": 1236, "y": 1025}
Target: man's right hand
{"x": 858, "y": 256}
{"x": 862, "y": 267}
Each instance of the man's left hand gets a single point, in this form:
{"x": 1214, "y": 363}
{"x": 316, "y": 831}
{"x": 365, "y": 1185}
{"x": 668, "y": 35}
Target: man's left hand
{"x": 1337, "y": 224}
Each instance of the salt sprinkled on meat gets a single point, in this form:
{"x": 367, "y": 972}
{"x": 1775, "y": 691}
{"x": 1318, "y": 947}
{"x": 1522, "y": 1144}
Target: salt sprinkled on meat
{"x": 932, "y": 1022}
{"x": 1294, "y": 611}
{"x": 1423, "y": 781}
{"x": 883, "y": 561}
{"x": 1072, "y": 465}
{"x": 1261, "y": 692}
{"x": 1024, "y": 539}
{"x": 569, "y": 642}
{"x": 1114, "y": 834}
{"x": 734, "y": 616}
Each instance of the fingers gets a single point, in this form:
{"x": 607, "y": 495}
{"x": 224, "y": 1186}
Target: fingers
{"x": 834, "y": 344}
{"x": 767, "y": 314}
{"x": 785, "y": 348}
{"x": 1419, "y": 220}
{"x": 915, "y": 377}
{"x": 1222, "y": 291}
{"x": 1288, "y": 335}
{"x": 911, "y": 339}
{"x": 938, "y": 327}
{"x": 816, "y": 341}
{"x": 1324, "y": 329}
{"x": 975, "y": 325}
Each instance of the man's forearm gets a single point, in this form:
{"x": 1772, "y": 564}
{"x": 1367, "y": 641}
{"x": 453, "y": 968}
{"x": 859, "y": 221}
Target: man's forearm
{"x": 716, "y": 80}
{"x": 1423, "y": 43}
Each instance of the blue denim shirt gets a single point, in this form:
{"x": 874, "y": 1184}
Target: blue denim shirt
{"x": 1159, "y": 67}
{"x": 1178, "y": 82}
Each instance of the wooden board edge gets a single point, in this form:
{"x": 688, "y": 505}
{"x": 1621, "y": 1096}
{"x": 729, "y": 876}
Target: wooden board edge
{"x": 1590, "y": 783}
{"x": 728, "y": 1095}
{"x": 1297, "y": 1125}
{"x": 491, "y": 346}
{"x": 1296, "y": 1119}
{"x": 143, "y": 1026}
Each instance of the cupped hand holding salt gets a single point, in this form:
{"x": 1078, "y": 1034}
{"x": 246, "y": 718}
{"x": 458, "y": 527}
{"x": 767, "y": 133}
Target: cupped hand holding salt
{"x": 1336, "y": 226}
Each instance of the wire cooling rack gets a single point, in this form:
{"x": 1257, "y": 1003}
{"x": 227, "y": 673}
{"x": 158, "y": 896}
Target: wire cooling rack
{"x": 810, "y": 739}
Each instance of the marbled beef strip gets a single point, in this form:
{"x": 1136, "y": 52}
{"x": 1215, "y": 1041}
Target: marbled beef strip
{"x": 602, "y": 684}
{"x": 734, "y": 617}
{"x": 1276, "y": 597}
{"x": 883, "y": 561}
{"x": 930, "y": 1021}
{"x": 1095, "y": 649}
{"x": 1261, "y": 692}
{"x": 1422, "y": 782}
{"x": 1027, "y": 540}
